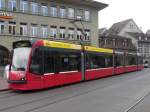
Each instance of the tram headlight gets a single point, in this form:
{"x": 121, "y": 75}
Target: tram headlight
{"x": 22, "y": 76}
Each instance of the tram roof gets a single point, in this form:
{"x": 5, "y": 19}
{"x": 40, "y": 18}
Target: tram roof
{"x": 62, "y": 45}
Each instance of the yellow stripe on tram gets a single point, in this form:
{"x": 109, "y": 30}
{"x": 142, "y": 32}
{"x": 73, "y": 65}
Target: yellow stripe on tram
{"x": 61, "y": 45}
{"x": 104, "y": 50}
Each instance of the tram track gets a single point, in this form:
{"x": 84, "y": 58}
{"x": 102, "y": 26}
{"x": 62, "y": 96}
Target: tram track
{"x": 57, "y": 95}
{"x": 47, "y": 98}
{"x": 8, "y": 94}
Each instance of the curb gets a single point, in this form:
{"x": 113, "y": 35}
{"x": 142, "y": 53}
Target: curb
{"x": 2, "y": 90}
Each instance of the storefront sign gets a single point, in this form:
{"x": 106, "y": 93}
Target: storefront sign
{"x": 5, "y": 15}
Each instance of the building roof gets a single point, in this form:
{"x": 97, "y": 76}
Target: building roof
{"x": 102, "y": 30}
{"x": 90, "y": 3}
{"x": 117, "y": 27}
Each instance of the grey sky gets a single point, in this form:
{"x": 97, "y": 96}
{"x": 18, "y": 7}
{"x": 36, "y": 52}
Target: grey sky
{"x": 119, "y": 10}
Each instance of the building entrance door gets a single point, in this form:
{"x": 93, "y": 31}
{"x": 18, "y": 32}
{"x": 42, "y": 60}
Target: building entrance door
{"x": 4, "y": 56}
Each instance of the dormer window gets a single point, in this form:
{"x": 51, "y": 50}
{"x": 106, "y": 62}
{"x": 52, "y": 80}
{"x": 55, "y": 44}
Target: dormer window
{"x": 131, "y": 26}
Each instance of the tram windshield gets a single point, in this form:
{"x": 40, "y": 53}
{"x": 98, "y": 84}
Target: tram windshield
{"x": 20, "y": 58}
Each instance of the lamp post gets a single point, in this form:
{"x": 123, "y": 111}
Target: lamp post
{"x": 79, "y": 19}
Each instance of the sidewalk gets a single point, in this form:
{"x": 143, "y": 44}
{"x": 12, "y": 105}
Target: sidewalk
{"x": 3, "y": 83}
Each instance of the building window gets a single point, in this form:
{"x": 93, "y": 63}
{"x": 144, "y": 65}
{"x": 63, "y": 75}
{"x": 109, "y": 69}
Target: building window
{"x": 62, "y": 12}
{"x": 79, "y": 14}
{"x": 34, "y": 30}
{"x": 140, "y": 50}
{"x": 24, "y": 6}
{"x": 44, "y": 32}
{"x": 53, "y": 31}
{"x": 70, "y": 13}
{"x": 145, "y": 38}
{"x": 23, "y": 29}
{"x": 131, "y": 26}
{"x": 44, "y": 9}
{"x": 12, "y": 5}
{"x": 62, "y": 32}
{"x": 71, "y": 33}
{"x": 139, "y": 45}
{"x": 12, "y": 28}
{"x": 87, "y": 34}
{"x": 79, "y": 34}
{"x": 53, "y": 11}
{"x": 2, "y": 27}
{"x": 2, "y": 4}
{"x": 34, "y": 8}
{"x": 87, "y": 16}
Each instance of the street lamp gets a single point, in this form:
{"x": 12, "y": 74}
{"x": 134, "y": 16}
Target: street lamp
{"x": 79, "y": 19}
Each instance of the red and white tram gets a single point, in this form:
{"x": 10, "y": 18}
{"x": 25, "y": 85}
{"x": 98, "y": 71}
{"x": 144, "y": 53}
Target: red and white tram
{"x": 43, "y": 64}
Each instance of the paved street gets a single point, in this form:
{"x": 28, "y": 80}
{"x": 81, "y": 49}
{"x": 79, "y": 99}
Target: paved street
{"x": 122, "y": 93}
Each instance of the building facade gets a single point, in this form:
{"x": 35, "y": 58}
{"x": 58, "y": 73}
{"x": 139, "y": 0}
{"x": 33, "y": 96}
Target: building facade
{"x": 60, "y": 20}
{"x": 135, "y": 37}
{"x": 126, "y": 28}
{"x": 144, "y": 46}
{"x": 117, "y": 43}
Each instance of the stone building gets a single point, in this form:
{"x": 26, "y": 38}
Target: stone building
{"x": 116, "y": 42}
{"x": 144, "y": 46}
{"x": 49, "y": 19}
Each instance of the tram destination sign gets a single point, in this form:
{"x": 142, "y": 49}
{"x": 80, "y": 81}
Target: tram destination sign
{"x": 22, "y": 43}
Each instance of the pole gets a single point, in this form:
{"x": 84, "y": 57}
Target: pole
{"x": 82, "y": 46}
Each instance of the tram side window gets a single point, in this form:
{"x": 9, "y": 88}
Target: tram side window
{"x": 94, "y": 61}
{"x": 119, "y": 60}
{"x": 140, "y": 61}
{"x": 70, "y": 61}
{"x": 49, "y": 61}
{"x": 36, "y": 62}
{"x": 108, "y": 61}
{"x": 132, "y": 60}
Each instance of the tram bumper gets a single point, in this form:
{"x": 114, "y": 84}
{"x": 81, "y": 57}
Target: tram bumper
{"x": 16, "y": 77}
